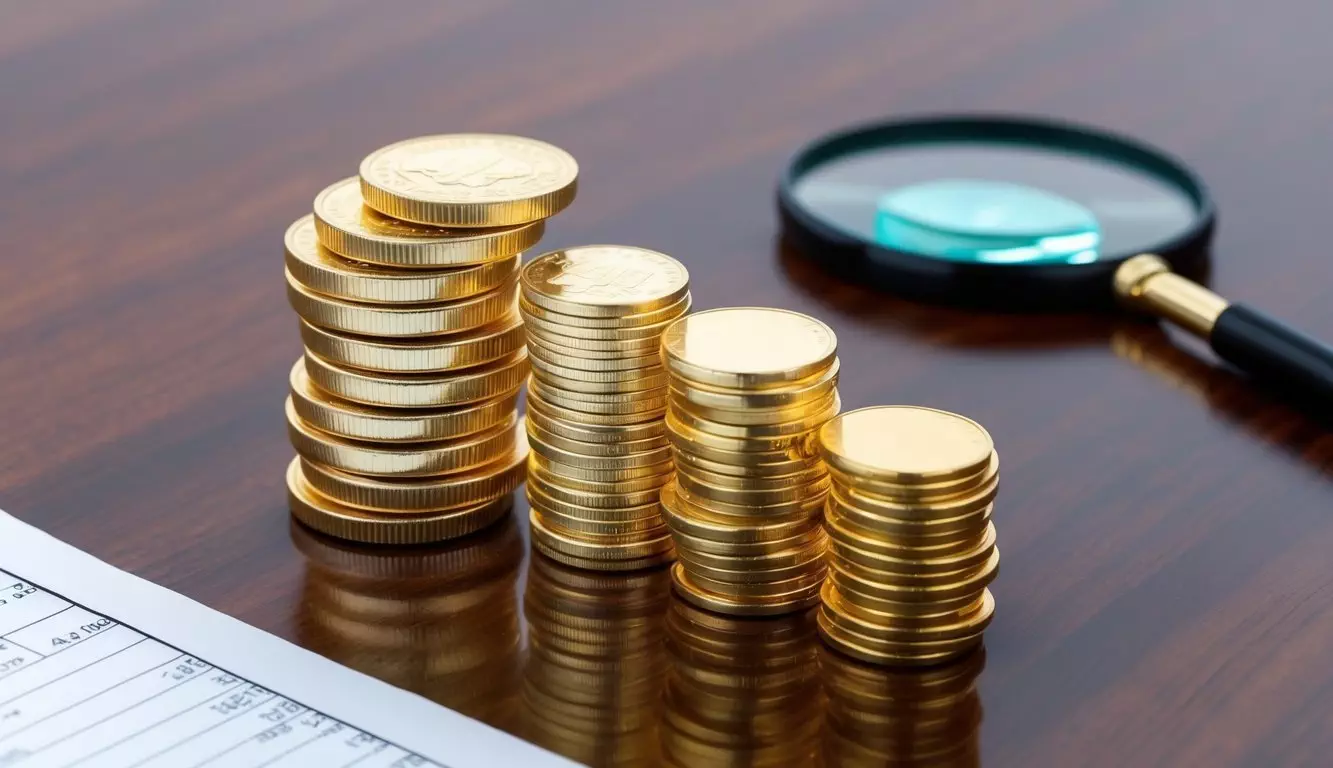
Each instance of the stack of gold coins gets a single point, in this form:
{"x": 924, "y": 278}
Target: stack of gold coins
{"x": 748, "y": 389}
{"x": 911, "y": 544}
{"x": 596, "y": 664}
{"x": 594, "y": 317}
{"x": 741, "y": 691}
{"x": 906, "y": 716}
{"x": 403, "y": 408}
{"x": 439, "y": 620}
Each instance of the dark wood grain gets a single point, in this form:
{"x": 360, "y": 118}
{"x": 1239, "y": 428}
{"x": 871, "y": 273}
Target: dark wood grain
{"x": 1167, "y": 593}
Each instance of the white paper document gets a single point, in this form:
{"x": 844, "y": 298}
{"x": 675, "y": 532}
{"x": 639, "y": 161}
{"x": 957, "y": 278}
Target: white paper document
{"x": 101, "y": 669}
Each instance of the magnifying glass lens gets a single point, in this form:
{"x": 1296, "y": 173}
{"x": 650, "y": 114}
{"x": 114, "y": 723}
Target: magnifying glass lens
{"x": 995, "y": 203}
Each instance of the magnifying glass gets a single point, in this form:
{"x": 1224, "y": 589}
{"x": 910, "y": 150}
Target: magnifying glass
{"x": 1027, "y": 214}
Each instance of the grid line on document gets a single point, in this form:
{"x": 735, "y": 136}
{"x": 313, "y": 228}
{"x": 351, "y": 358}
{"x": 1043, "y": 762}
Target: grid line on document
{"x": 318, "y": 735}
{"x": 197, "y": 734}
{"x": 142, "y": 639}
{"x": 252, "y": 736}
{"x": 44, "y": 618}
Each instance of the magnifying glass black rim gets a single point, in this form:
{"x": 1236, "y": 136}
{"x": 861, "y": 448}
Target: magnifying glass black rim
{"x": 1001, "y": 286}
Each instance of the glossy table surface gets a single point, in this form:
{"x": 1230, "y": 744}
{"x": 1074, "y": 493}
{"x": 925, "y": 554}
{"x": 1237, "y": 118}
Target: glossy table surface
{"x": 1166, "y": 595}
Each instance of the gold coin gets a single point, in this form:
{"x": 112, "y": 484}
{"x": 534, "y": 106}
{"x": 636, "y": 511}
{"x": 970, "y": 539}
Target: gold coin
{"x": 691, "y": 520}
{"x": 642, "y": 435}
{"x": 361, "y": 233}
{"x": 584, "y": 363}
{"x": 418, "y": 390}
{"x": 609, "y": 488}
{"x": 555, "y": 518}
{"x": 970, "y": 584}
{"x": 932, "y": 533}
{"x": 748, "y": 348}
{"x": 816, "y": 389}
{"x": 466, "y": 489}
{"x": 562, "y": 470}
{"x": 724, "y": 463}
{"x": 920, "y": 579}
{"x": 761, "y": 580}
{"x": 636, "y": 320}
{"x": 926, "y": 615}
{"x": 593, "y": 500}
{"x": 799, "y": 430}
{"x": 410, "y": 320}
{"x": 654, "y": 457}
{"x": 400, "y": 459}
{"x": 578, "y": 347}
{"x": 905, "y": 444}
{"x": 924, "y": 547}
{"x": 896, "y": 566}
{"x": 808, "y": 504}
{"x": 910, "y": 511}
{"x": 575, "y": 356}
{"x": 909, "y": 610}
{"x": 626, "y": 448}
{"x": 641, "y": 333}
{"x": 499, "y": 550}
{"x": 631, "y": 409}
{"x": 752, "y": 417}
{"x": 649, "y": 383}
{"x": 325, "y": 272}
{"x": 329, "y": 517}
{"x": 469, "y": 180}
{"x": 619, "y": 513}
{"x": 740, "y": 452}
{"x": 889, "y": 627}
{"x": 341, "y": 417}
{"x": 651, "y": 374}
{"x": 808, "y": 578}
{"x": 811, "y": 548}
{"x": 802, "y": 494}
{"x": 780, "y": 483}
{"x": 867, "y": 650}
{"x": 604, "y": 281}
{"x": 709, "y": 601}
{"x": 927, "y": 493}
{"x": 418, "y": 355}
{"x": 597, "y": 549}
{"x": 585, "y": 419}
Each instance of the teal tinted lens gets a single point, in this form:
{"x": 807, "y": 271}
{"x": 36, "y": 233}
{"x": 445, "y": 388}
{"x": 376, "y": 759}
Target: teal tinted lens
{"x": 996, "y": 203}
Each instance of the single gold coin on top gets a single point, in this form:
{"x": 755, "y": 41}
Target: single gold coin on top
{"x": 905, "y": 444}
{"x": 323, "y": 271}
{"x": 469, "y": 180}
{"x": 747, "y": 348}
{"x": 604, "y": 281}
{"x": 356, "y": 231}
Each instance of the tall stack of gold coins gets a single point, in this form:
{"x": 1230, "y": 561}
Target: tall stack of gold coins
{"x": 911, "y": 543}
{"x": 741, "y": 691}
{"x": 594, "y": 317}
{"x": 403, "y": 408}
{"x": 903, "y": 716}
{"x": 748, "y": 388}
{"x": 592, "y": 687}
{"x": 439, "y": 620}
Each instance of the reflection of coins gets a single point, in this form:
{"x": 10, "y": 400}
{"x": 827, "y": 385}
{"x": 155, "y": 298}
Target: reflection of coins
{"x": 323, "y": 271}
{"x": 605, "y": 281}
{"x": 912, "y": 548}
{"x": 439, "y": 620}
{"x": 741, "y": 691}
{"x": 358, "y": 232}
{"x": 905, "y": 716}
{"x": 596, "y": 665}
{"x": 469, "y": 180}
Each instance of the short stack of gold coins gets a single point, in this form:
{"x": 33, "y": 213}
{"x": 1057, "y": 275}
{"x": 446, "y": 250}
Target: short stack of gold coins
{"x": 748, "y": 388}
{"x": 592, "y": 687}
{"x": 596, "y": 398}
{"x": 439, "y": 620}
{"x": 403, "y": 409}
{"x": 741, "y": 691}
{"x": 911, "y": 543}
{"x": 901, "y": 716}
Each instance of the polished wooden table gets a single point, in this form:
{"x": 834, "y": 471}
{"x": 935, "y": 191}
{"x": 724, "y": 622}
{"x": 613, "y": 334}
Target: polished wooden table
{"x": 1166, "y": 596}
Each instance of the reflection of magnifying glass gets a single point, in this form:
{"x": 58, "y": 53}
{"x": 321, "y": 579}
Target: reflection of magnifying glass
{"x": 1026, "y": 214}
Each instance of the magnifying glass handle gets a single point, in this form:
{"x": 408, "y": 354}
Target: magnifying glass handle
{"x": 1252, "y": 341}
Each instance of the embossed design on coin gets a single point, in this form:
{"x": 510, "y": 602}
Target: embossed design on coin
{"x": 636, "y": 279}
{"x": 470, "y": 168}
